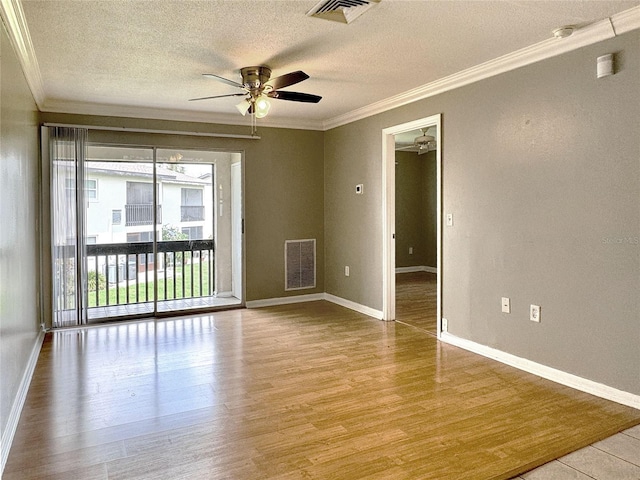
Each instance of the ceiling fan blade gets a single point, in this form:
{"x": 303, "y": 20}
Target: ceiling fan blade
{"x": 223, "y": 80}
{"x": 295, "y": 96}
{"x": 218, "y": 96}
{"x": 288, "y": 79}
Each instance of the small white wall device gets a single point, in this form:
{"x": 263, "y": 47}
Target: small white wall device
{"x": 604, "y": 66}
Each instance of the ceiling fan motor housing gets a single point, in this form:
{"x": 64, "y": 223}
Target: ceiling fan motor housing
{"x": 255, "y": 78}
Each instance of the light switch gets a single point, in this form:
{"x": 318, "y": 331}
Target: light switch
{"x": 506, "y": 305}
{"x": 449, "y": 219}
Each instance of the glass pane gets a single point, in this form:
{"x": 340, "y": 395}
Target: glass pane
{"x": 120, "y": 222}
{"x": 196, "y": 216}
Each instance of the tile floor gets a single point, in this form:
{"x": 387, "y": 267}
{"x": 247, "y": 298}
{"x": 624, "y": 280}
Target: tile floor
{"x": 614, "y": 458}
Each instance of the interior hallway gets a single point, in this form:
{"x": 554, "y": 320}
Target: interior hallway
{"x": 416, "y": 300}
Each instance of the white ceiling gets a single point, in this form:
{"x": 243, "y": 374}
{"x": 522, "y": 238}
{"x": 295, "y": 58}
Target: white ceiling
{"x": 145, "y": 58}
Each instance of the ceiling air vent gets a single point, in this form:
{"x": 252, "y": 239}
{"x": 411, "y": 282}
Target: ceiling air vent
{"x": 344, "y": 11}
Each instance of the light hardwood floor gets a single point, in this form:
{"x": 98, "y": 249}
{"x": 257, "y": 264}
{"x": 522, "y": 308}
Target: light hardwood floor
{"x": 303, "y": 391}
{"x": 416, "y": 301}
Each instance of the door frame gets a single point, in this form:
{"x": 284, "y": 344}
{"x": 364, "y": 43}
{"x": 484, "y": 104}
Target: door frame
{"x": 237, "y": 230}
{"x": 389, "y": 214}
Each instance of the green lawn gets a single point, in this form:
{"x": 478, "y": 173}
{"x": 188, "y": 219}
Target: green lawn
{"x": 189, "y": 290}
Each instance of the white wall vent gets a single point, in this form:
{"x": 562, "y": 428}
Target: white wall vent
{"x": 300, "y": 264}
{"x": 344, "y": 11}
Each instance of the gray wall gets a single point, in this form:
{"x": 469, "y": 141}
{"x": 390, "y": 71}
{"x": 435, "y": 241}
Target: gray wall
{"x": 19, "y": 313}
{"x": 352, "y": 223}
{"x": 416, "y": 212}
{"x": 283, "y": 187}
{"x": 541, "y": 169}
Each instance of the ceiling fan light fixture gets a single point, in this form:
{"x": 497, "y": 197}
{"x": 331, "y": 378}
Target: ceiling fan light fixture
{"x": 262, "y": 106}
{"x": 258, "y": 88}
{"x": 244, "y": 106}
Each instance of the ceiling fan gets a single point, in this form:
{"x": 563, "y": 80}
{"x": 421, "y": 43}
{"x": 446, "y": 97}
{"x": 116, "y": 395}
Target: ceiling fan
{"x": 258, "y": 87}
{"x": 421, "y": 144}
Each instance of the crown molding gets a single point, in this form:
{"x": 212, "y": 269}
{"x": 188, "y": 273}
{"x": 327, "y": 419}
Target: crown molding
{"x": 626, "y": 21}
{"x": 596, "y": 32}
{"x": 13, "y": 18}
{"x": 87, "y": 108}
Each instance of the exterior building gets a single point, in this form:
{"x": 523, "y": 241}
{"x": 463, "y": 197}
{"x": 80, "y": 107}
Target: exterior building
{"x": 120, "y": 199}
{"x": 120, "y": 210}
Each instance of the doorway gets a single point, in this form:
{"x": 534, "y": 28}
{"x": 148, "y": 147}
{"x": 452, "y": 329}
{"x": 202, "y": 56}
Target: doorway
{"x": 389, "y": 138}
{"x": 416, "y": 219}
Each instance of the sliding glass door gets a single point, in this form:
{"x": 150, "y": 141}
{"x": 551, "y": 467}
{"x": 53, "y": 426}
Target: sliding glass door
{"x": 187, "y": 245}
{"x": 151, "y": 230}
{"x": 123, "y": 219}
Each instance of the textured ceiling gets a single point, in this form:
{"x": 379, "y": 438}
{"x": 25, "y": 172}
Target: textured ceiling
{"x": 150, "y": 54}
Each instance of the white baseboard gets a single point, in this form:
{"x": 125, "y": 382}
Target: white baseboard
{"x": 558, "y": 376}
{"x": 18, "y": 402}
{"x": 418, "y": 268}
{"x": 354, "y": 306}
{"x": 271, "y": 302}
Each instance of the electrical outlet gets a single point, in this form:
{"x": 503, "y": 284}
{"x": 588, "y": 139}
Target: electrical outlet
{"x": 410, "y": 250}
{"x": 445, "y": 325}
{"x": 346, "y": 271}
{"x": 359, "y": 189}
{"x": 506, "y": 305}
{"x": 534, "y": 313}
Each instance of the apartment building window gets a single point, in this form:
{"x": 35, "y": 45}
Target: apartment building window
{"x": 192, "y": 207}
{"x": 193, "y": 233}
{"x": 139, "y": 237}
{"x": 90, "y": 188}
{"x": 116, "y": 217}
{"x": 139, "y": 206}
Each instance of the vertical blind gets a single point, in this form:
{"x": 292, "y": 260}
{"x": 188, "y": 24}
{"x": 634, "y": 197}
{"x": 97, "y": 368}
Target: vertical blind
{"x": 67, "y": 153}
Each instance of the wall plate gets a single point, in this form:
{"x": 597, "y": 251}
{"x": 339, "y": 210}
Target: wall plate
{"x": 534, "y": 313}
{"x": 506, "y": 305}
{"x": 449, "y": 219}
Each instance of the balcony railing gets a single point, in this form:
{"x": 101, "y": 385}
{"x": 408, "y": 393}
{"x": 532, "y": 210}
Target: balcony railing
{"x": 141, "y": 214}
{"x": 191, "y": 213}
{"x": 123, "y": 273}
